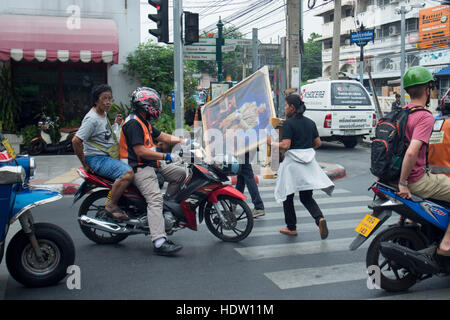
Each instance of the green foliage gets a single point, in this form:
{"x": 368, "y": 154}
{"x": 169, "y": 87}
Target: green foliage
{"x": 312, "y": 58}
{"x": 28, "y": 133}
{"x": 152, "y": 66}
{"x": 166, "y": 123}
{"x": 122, "y": 109}
{"x": 9, "y": 102}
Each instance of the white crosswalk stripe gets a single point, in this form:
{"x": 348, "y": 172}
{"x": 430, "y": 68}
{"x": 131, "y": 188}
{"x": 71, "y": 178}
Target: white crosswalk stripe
{"x": 339, "y": 218}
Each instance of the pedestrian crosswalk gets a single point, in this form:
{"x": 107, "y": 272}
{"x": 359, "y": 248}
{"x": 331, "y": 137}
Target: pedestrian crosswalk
{"x": 343, "y": 211}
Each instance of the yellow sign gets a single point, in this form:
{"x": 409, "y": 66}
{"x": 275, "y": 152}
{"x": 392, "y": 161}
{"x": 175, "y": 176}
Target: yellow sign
{"x": 367, "y": 225}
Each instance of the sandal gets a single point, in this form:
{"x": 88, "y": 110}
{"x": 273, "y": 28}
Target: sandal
{"x": 117, "y": 210}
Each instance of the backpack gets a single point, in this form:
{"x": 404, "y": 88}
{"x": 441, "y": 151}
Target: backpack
{"x": 390, "y": 144}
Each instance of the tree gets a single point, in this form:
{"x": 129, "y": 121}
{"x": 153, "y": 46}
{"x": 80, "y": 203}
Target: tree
{"x": 152, "y": 65}
{"x": 312, "y": 58}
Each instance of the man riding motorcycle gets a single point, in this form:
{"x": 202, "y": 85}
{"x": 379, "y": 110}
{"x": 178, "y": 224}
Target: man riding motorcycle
{"x": 138, "y": 146}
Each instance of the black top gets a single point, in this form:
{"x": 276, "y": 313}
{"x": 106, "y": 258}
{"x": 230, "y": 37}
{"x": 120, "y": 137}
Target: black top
{"x": 135, "y": 136}
{"x": 302, "y": 132}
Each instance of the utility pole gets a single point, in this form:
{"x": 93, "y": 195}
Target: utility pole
{"x": 403, "y": 54}
{"x": 336, "y": 40}
{"x": 255, "y": 63}
{"x": 361, "y": 59}
{"x": 292, "y": 37}
{"x": 300, "y": 45}
{"x": 178, "y": 64}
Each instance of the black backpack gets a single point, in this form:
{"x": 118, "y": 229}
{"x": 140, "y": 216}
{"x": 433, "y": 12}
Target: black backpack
{"x": 390, "y": 144}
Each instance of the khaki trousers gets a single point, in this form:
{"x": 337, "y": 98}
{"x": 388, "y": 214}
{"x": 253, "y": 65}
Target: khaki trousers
{"x": 146, "y": 181}
{"x": 434, "y": 186}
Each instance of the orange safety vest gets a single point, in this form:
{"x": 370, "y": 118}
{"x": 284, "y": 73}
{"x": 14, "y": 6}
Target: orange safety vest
{"x": 439, "y": 147}
{"x": 148, "y": 140}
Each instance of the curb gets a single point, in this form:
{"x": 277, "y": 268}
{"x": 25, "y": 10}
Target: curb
{"x": 333, "y": 171}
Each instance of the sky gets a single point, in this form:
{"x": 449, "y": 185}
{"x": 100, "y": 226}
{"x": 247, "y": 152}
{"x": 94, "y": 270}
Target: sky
{"x": 269, "y": 17}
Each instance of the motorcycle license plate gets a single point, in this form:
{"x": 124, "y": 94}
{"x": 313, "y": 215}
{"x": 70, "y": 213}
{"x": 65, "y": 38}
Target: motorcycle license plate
{"x": 367, "y": 225}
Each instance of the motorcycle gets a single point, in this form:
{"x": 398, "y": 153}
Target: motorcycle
{"x": 405, "y": 252}
{"x": 52, "y": 138}
{"x": 39, "y": 254}
{"x": 226, "y": 214}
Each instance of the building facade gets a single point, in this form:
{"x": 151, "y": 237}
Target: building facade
{"x": 383, "y": 55}
{"x": 57, "y": 50}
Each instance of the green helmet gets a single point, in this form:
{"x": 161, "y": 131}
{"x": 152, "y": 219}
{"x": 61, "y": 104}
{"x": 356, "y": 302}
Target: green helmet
{"x": 417, "y": 75}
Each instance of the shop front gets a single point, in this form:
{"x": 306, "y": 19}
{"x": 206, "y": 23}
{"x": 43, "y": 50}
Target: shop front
{"x": 53, "y": 65}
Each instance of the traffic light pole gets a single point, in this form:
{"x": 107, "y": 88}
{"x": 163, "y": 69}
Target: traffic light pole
{"x": 178, "y": 64}
{"x": 219, "y": 43}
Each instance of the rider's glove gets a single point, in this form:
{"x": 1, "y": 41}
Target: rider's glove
{"x": 172, "y": 157}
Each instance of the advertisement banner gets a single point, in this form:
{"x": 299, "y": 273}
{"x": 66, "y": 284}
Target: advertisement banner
{"x": 434, "y": 27}
{"x": 236, "y": 121}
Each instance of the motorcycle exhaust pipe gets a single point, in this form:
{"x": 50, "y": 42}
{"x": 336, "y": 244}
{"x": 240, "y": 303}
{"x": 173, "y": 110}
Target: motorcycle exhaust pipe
{"x": 102, "y": 225}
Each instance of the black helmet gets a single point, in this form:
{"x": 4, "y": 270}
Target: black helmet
{"x": 148, "y": 100}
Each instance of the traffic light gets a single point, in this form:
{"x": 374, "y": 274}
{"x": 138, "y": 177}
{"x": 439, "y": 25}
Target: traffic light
{"x": 161, "y": 18}
{"x": 191, "y": 28}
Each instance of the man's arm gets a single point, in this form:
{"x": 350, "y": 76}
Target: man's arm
{"x": 409, "y": 161}
{"x": 169, "y": 139}
{"x": 145, "y": 153}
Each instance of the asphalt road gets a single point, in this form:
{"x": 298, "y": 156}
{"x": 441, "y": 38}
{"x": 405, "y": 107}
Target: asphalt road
{"x": 265, "y": 266}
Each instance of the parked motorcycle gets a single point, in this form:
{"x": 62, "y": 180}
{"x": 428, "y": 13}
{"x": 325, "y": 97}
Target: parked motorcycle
{"x": 45, "y": 142}
{"x": 405, "y": 252}
{"x": 39, "y": 254}
{"x": 226, "y": 213}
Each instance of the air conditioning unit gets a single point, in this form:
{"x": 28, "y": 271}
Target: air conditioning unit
{"x": 347, "y": 42}
{"x": 393, "y": 30}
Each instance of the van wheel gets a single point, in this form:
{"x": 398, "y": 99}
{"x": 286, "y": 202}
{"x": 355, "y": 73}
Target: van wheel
{"x": 350, "y": 142}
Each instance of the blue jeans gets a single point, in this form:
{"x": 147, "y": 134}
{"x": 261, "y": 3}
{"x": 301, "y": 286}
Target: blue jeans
{"x": 107, "y": 166}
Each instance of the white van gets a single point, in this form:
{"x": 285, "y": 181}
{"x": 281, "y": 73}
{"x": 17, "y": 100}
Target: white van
{"x": 341, "y": 109}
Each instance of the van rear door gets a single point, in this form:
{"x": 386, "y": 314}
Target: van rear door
{"x": 351, "y": 107}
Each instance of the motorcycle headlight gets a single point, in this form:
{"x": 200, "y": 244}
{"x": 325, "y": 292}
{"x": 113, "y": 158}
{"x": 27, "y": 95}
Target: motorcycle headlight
{"x": 32, "y": 166}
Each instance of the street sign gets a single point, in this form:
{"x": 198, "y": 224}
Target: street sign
{"x": 228, "y": 48}
{"x": 199, "y": 56}
{"x": 239, "y": 42}
{"x": 199, "y": 49}
{"x": 364, "y": 36}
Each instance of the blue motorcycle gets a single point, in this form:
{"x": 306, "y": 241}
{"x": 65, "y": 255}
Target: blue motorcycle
{"x": 405, "y": 252}
{"x": 40, "y": 253}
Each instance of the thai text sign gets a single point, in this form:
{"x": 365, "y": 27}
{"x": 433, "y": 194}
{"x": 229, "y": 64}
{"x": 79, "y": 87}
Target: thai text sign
{"x": 434, "y": 27}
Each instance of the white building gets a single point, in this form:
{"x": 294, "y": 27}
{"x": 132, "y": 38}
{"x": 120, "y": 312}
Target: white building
{"x": 57, "y": 50}
{"x": 383, "y": 54}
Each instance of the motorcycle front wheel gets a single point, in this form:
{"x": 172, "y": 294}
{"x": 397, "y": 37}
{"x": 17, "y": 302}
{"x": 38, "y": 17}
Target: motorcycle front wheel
{"x": 58, "y": 253}
{"x": 92, "y": 207}
{"x": 393, "y": 277}
{"x": 236, "y": 221}
{"x": 36, "y": 147}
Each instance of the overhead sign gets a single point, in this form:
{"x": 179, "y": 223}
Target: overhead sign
{"x": 434, "y": 27}
{"x": 362, "y": 36}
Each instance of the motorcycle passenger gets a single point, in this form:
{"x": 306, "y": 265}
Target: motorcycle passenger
{"x": 93, "y": 139}
{"x": 138, "y": 144}
{"x": 439, "y": 150}
{"x": 414, "y": 177}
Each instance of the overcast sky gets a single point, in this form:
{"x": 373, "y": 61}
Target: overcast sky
{"x": 268, "y": 18}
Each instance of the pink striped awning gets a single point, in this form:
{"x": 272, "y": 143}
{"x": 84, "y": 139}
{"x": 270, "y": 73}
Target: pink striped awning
{"x": 58, "y": 38}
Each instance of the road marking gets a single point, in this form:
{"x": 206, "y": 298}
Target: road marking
{"x": 324, "y": 201}
{"x": 305, "y": 277}
{"x": 326, "y": 212}
{"x": 297, "y": 248}
{"x": 67, "y": 177}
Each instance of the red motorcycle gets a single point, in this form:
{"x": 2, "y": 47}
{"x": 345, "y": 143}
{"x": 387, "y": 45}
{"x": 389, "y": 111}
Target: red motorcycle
{"x": 222, "y": 207}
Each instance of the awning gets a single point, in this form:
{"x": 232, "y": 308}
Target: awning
{"x": 55, "y": 38}
{"x": 443, "y": 72}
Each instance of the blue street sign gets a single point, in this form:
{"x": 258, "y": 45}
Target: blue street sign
{"x": 364, "y": 36}
{"x": 173, "y": 101}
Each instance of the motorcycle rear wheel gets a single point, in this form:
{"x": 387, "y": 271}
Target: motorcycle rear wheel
{"x": 91, "y": 207}
{"x": 394, "y": 278}
{"x": 36, "y": 147}
{"x": 58, "y": 251}
{"x": 239, "y": 219}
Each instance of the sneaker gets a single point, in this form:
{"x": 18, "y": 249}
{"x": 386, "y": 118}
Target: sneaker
{"x": 289, "y": 232}
{"x": 258, "y": 213}
{"x": 168, "y": 248}
{"x": 323, "y": 228}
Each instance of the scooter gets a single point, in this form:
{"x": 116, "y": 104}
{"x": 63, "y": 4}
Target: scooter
{"x": 405, "y": 252}
{"x": 44, "y": 142}
{"x": 226, "y": 214}
{"x": 40, "y": 253}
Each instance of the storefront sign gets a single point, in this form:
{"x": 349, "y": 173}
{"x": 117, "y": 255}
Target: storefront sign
{"x": 434, "y": 27}
{"x": 435, "y": 57}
